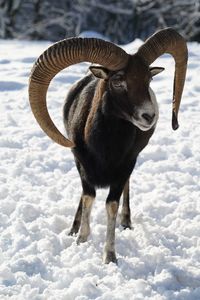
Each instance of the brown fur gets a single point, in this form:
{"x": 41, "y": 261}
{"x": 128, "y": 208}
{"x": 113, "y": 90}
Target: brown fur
{"x": 95, "y": 104}
{"x": 112, "y": 208}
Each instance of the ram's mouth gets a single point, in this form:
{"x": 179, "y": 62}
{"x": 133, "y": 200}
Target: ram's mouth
{"x": 142, "y": 126}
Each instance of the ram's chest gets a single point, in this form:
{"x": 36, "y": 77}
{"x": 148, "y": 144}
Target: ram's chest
{"x": 111, "y": 143}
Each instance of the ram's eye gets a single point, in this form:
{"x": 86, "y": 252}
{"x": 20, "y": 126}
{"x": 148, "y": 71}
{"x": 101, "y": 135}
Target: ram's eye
{"x": 118, "y": 81}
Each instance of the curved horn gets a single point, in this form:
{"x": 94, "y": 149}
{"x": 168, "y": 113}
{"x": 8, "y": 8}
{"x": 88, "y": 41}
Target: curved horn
{"x": 169, "y": 41}
{"x": 59, "y": 56}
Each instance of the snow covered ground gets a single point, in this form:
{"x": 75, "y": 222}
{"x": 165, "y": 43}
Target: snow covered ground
{"x": 40, "y": 190}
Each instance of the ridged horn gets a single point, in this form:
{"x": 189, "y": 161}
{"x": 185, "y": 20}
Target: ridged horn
{"x": 169, "y": 41}
{"x": 59, "y": 56}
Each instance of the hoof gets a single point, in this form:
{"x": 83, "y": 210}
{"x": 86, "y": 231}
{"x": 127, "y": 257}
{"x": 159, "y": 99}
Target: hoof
{"x": 75, "y": 228}
{"x": 81, "y": 239}
{"x": 109, "y": 257}
{"x": 126, "y": 222}
{"x": 126, "y": 226}
{"x": 71, "y": 233}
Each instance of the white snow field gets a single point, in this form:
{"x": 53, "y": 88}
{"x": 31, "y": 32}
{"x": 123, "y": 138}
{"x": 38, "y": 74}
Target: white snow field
{"x": 40, "y": 189}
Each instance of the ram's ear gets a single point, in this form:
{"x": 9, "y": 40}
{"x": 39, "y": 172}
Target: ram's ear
{"x": 156, "y": 70}
{"x": 99, "y": 72}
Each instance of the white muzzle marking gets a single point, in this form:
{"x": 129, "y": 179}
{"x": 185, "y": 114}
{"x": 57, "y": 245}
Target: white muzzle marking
{"x": 149, "y": 108}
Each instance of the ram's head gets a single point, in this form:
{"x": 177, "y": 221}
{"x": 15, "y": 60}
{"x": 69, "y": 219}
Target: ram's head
{"x": 115, "y": 63}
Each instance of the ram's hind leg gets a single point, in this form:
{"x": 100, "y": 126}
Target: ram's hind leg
{"x": 77, "y": 219}
{"x": 126, "y": 214}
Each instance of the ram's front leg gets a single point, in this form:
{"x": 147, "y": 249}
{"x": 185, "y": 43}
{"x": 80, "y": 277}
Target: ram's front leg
{"x": 82, "y": 217}
{"x": 112, "y": 205}
{"x": 87, "y": 202}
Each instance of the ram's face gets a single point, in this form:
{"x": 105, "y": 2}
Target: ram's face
{"x": 133, "y": 98}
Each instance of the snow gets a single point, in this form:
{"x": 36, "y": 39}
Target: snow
{"x": 159, "y": 259}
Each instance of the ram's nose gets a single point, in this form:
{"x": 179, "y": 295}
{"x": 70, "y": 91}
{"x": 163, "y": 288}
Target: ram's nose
{"x": 149, "y": 118}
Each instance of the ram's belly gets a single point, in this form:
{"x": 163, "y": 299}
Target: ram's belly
{"x": 104, "y": 170}
{"x": 108, "y": 176}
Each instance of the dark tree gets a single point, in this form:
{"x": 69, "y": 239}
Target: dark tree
{"x": 120, "y": 20}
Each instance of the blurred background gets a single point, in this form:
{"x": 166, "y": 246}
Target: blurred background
{"x": 121, "y": 21}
